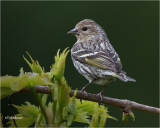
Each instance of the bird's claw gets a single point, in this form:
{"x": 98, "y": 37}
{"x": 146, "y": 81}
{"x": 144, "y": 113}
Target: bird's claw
{"x": 100, "y": 95}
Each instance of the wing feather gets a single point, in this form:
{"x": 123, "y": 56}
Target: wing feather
{"x": 94, "y": 58}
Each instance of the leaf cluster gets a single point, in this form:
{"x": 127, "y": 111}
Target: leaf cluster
{"x": 63, "y": 109}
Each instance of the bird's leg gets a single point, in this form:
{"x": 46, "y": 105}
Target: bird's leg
{"x": 101, "y": 95}
{"x": 84, "y": 91}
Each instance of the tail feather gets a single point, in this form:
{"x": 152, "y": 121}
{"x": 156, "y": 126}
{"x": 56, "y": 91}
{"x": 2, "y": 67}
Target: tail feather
{"x": 125, "y": 78}
{"x": 122, "y": 76}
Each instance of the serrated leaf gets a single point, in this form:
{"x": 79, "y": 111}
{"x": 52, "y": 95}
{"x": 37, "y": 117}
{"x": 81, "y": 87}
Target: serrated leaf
{"x": 98, "y": 118}
{"x": 27, "y": 115}
{"x": 20, "y": 83}
{"x": 63, "y": 94}
{"x": 39, "y": 80}
{"x": 62, "y": 101}
{"x": 62, "y": 107}
{"x": 34, "y": 65}
{"x": 36, "y": 79}
{"x": 102, "y": 120}
{"x": 57, "y": 70}
{"x": 10, "y": 84}
{"x": 28, "y": 80}
{"x": 5, "y": 85}
{"x": 28, "y": 110}
{"x": 71, "y": 110}
{"x": 95, "y": 118}
{"x": 6, "y": 81}
{"x": 86, "y": 108}
{"x": 82, "y": 117}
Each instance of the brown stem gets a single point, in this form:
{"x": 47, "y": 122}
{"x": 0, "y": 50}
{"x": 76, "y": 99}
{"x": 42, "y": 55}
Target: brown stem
{"x": 106, "y": 100}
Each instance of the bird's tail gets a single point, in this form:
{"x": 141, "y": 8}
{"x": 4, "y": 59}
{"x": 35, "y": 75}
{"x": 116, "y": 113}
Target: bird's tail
{"x": 122, "y": 76}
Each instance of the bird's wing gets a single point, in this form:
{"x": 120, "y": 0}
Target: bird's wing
{"x": 111, "y": 53}
{"x": 98, "y": 59}
{"x": 115, "y": 58}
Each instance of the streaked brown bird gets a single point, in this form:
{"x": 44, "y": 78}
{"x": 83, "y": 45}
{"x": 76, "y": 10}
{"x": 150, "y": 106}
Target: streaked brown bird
{"x": 94, "y": 57}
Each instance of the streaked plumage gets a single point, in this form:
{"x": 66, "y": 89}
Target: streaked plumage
{"x": 93, "y": 55}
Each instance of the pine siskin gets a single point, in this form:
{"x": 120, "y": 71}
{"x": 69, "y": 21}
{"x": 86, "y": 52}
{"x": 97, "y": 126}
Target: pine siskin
{"x": 94, "y": 57}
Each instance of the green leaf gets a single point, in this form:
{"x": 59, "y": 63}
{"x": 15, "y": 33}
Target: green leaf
{"x": 86, "y": 109}
{"x": 5, "y": 92}
{"x": 98, "y": 118}
{"x": 27, "y": 115}
{"x": 63, "y": 110}
{"x": 95, "y": 118}
{"x": 28, "y": 110}
{"x": 49, "y": 112}
{"x": 34, "y": 65}
{"x": 57, "y": 70}
{"x": 20, "y": 83}
{"x": 71, "y": 110}
{"x": 5, "y": 82}
{"x": 103, "y": 118}
{"x": 125, "y": 117}
{"x": 10, "y": 84}
{"x": 82, "y": 117}
{"x": 44, "y": 99}
{"x": 62, "y": 101}
{"x": 40, "y": 80}
{"x": 63, "y": 94}
{"x": 131, "y": 114}
{"x": 21, "y": 121}
{"x": 59, "y": 90}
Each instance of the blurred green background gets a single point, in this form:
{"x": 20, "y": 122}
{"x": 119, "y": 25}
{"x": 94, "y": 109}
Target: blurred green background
{"x": 132, "y": 28}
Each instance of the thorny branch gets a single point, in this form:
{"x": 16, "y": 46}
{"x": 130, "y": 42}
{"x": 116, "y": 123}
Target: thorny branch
{"x": 106, "y": 100}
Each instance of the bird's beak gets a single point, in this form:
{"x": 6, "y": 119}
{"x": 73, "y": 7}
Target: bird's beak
{"x": 73, "y": 31}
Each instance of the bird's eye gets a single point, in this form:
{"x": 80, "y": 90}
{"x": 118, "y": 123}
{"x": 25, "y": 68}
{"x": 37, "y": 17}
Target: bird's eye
{"x": 84, "y": 29}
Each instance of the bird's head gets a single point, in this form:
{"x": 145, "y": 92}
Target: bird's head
{"x": 86, "y": 28}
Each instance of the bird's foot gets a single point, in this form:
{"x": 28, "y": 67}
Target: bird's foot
{"x": 83, "y": 90}
{"x": 100, "y": 95}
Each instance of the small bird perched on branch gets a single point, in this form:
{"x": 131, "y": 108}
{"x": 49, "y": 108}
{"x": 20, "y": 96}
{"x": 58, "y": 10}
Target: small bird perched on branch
{"x": 94, "y": 57}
